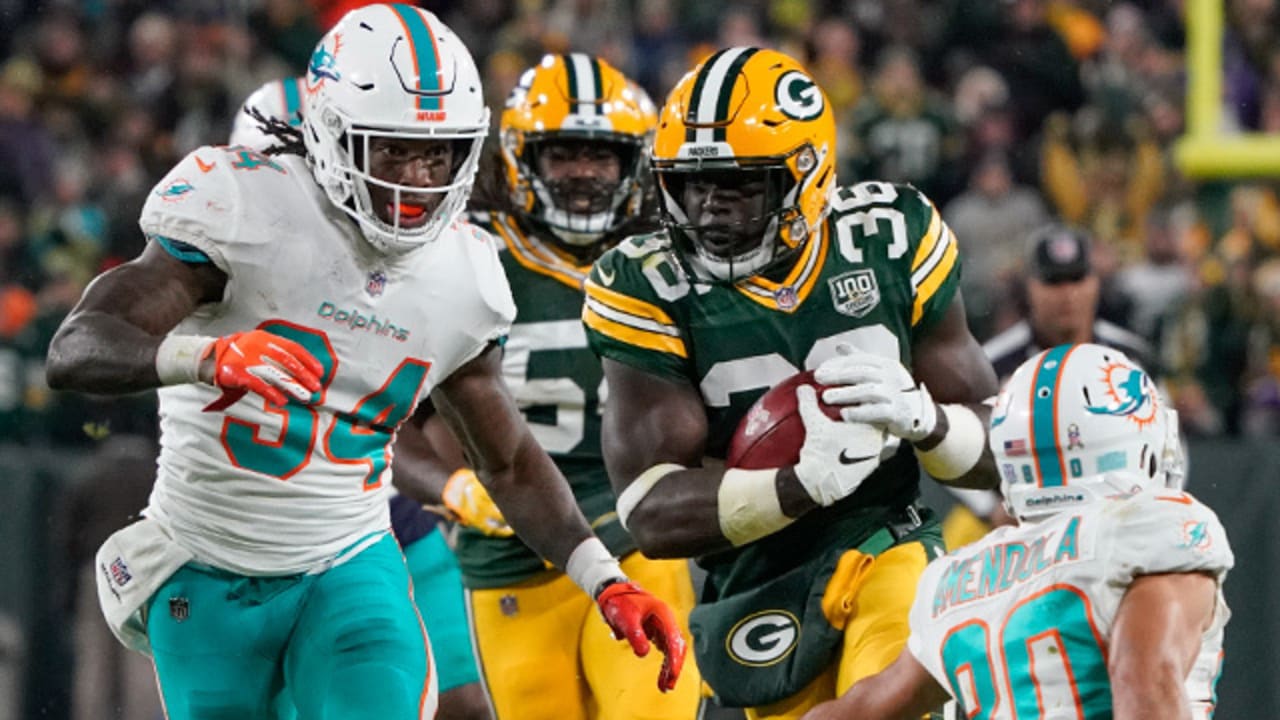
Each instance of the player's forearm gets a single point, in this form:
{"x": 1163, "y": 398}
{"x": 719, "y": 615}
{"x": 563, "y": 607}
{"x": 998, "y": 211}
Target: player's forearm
{"x": 99, "y": 353}
{"x": 1149, "y": 693}
{"x": 535, "y": 499}
{"x": 690, "y": 512}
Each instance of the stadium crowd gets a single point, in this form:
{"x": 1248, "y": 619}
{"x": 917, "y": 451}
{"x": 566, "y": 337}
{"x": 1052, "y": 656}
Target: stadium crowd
{"x": 1007, "y": 114}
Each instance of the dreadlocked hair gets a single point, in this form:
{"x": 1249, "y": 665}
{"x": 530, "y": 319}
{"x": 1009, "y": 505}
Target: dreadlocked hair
{"x": 289, "y": 137}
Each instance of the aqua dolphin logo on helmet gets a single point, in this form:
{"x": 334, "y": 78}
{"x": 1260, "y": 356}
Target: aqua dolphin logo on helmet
{"x": 1130, "y": 392}
{"x": 323, "y": 63}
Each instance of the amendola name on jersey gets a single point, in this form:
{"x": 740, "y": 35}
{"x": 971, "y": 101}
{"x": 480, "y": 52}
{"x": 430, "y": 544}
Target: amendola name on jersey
{"x": 308, "y": 479}
{"x": 1030, "y": 608}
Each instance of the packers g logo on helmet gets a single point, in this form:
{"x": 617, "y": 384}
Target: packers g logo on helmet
{"x": 747, "y": 110}
{"x": 575, "y": 97}
{"x": 799, "y": 96}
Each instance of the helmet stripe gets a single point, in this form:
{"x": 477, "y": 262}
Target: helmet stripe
{"x": 292, "y": 101}
{"x": 709, "y": 101}
{"x": 584, "y": 83}
{"x": 426, "y": 56}
{"x": 1051, "y": 465}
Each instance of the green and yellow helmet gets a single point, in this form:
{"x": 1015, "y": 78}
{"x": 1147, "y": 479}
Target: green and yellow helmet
{"x": 756, "y": 110}
{"x": 575, "y": 97}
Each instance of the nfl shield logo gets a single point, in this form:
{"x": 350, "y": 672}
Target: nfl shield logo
{"x": 120, "y": 572}
{"x": 855, "y": 293}
{"x": 376, "y": 283}
{"x": 508, "y": 605}
{"x": 179, "y": 608}
{"x": 786, "y": 297}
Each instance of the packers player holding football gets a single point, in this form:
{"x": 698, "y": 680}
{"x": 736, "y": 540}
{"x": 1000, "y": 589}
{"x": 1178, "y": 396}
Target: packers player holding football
{"x": 765, "y": 268}
{"x": 570, "y": 179}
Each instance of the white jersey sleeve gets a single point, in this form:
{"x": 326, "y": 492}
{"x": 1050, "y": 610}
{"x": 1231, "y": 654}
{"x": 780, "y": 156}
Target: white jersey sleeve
{"x": 199, "y": 203}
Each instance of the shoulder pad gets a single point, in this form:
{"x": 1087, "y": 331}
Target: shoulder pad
{"x": 1162, "y": 532}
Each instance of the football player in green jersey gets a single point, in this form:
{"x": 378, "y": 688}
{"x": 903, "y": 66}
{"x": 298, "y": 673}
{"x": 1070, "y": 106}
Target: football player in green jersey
{"x": 573, "y": 178}
{"x": 765, "y": 267}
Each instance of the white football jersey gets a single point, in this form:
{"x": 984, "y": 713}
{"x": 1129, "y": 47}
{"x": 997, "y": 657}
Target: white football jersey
{"x": 1017, "y": 624}
{"x": 258, "y": 490}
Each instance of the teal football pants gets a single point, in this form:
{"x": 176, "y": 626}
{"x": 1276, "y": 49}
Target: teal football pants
{"x": 345, "y": 644}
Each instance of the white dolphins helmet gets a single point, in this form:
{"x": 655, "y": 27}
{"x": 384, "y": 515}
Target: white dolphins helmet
{"x": 280, "y": 99}
{"x": 391, "y": 71}
{"x": 1080, "y": 422}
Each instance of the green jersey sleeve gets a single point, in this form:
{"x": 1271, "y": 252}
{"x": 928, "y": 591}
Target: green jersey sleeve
{"x": 625, "y": 316}
{"x": 935, "y": 259}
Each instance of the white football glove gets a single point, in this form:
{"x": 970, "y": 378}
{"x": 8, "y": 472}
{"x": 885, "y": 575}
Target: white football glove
{"x": 877, "y": 390}
{"x": 836, "y": 456}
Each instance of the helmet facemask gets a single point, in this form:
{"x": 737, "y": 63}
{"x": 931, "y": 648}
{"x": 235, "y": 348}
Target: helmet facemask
{"x": 729, "y": 251}
{"x": 350, "y": 179}
{"x": 582, "y": 210}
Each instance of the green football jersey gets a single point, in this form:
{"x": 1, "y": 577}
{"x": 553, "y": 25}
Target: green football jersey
{"x": 558, "y": 384}
{"x": 881, "y": 271}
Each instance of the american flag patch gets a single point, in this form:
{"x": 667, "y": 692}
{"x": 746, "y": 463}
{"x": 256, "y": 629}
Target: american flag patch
{"x": 119, "y": 572}
{"x": 1015, "y": 447}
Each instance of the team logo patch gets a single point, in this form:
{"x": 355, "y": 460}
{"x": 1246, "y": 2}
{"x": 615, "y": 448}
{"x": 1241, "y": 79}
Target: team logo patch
{"x": 763, "y": 638}
{"x": 1195, "y": 536}
{"x": 375, "y": 283}
{"x": 179, "y": 608}
{"x": 120, "y": 574}
{"x": 175, "y": 190}
{"x": 798, "y": 96}
{"x": 855, "y": 293}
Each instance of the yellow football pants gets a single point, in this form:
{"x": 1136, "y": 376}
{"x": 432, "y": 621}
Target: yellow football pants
{"x": 545, "y": 653}
{"x": 877, "y": 629}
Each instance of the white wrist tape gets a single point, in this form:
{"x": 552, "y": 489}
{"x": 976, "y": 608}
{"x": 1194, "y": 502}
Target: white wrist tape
{"x": 961, "y": 447}
{"x": 748, "y": 505}
{"x": 634, "y": 493}
{"x": 178, "y": 358}
{"x": 591, "y": 564}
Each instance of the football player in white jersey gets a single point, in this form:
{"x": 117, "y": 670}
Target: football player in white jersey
{"x": 293, "y": 311}
{"x": 1105, "y": 601}
{"x": 437, "y": 579}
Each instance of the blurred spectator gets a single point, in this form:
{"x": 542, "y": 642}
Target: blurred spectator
{"x": 1204, "y": 348}
{"x": 660, "y": 38}
{"x": 290, "y": 30}
{"x": 1161, "y": 280}
{"x": 1063, "y": 291}
{"x": 1103, "y": 172}
{"x": 992, "y": 220}
{"x": 834, "y": 61}
{"x": 903, "y": 132}
{"x": 26, "y": 150}
{"x": 1035, "y": 61}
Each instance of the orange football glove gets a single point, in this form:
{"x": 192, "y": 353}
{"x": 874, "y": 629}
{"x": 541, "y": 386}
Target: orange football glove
{"x": 638, "y": 617}
{"x": 259, "y": 362}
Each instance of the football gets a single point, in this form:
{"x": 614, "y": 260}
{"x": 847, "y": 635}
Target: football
{"x": 771, "y": 433}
